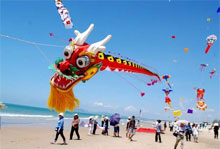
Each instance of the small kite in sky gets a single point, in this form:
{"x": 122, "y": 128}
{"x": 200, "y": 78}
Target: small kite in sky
{"x": 212, "y": 72}
{"x": 203, "y": 66}
{"x": 186, "y": 49}
{"x": 64, "y": 14}
{"x": 218, "y": 10}
{"x": 200, "y": 93}
{"x": 168, "y": 101}
{"x": 210, "y": 41}
{"x": 167, "y": 91}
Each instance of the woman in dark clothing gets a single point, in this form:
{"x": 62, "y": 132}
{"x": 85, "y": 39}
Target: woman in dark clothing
{"x": 216, "y": 128}
{"x": 75, "y": 127}
{"x": 106, "y": 126}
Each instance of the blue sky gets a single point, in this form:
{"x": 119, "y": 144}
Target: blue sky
{"x": 140, "y": 30}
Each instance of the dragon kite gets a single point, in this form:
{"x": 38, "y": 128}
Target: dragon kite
{"x": 82, "y": 62}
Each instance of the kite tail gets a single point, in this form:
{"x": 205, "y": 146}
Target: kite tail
{"x": 169, "y": 103}
{"x": 168, "y": 84}
{"x": 60, "y": 101}
{"x": 117, "y": 64}
{"x": 207, "y": 49}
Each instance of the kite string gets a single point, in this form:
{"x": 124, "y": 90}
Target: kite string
{"x": 30, "y": 42}
{"x": 43, "y": 54}
{"x": 128, "y": 82}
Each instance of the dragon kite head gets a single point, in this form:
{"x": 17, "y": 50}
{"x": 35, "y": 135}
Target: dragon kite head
{"x": 79, "y": 65}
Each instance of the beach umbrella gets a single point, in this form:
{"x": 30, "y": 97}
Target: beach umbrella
{"x": 115, "y": 119}
{"x": 182, "y": 121}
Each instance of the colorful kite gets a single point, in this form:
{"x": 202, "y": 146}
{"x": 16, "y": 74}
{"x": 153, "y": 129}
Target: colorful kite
{"x": 200, "y": 93}
{"x": 201, "y": 105}
{"x": 168, "y": 101}
{"x": 210, "y": 41}
{"x": 203, "y": 66}
{"x": 200, "y": 100}
{"x": 218, "y": 10}
{"x": 190, "y": 111}
{"x": 167, "y": 91}
{"x": 82, "y": 62}
{"x": 64, "y": 14}
{"x": 166, "y": 77}
{"x": 212, "y": 72}
{"x": 152, "y": 82}
{"x": 177, "y": 113}
{"x": 186, "y": 49}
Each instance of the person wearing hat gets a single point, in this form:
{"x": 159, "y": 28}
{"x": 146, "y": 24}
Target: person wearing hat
{"x": 127, "y": 125}
{"x": 180, "y": 131}
{"x": 75, "y": 127}
{"x": 59, "y": 129}
{"x": 158, "y": 131}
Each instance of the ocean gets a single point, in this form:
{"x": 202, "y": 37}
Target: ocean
{"x": 20, "y": 115}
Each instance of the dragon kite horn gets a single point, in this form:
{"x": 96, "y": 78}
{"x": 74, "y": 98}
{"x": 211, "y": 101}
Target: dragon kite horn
{"x": 81, "y": 37}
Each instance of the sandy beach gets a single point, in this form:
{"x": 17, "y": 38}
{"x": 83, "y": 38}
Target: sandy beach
{"x": 40, "y": 137}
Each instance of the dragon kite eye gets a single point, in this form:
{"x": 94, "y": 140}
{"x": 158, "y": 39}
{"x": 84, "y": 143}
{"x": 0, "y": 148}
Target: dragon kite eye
{"x": 68, "y": 52}
{"x": 83, "y": 61}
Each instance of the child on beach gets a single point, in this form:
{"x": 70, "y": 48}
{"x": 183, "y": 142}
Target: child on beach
{"x": 195, "y": 131}
{"x": 75, "y": 127}
{"x": 59, "y": 129}
{"x": 132, "y": 128}
{"x": 158, "y": 131}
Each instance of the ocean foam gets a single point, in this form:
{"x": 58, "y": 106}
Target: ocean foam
{"x": 24, "y": 115}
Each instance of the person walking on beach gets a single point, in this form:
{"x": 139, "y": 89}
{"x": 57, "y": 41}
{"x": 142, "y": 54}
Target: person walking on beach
{"x": 102, "y": 121}
{"x": 75, "y": 127}
{"x": 165, "y": 126}
{"x": 195, "y": 131}
{"x": 127, "y": 126}
{"x": 132, "y": 128}
{"x": 188, "y": 132}
{"x": 90, "y": 125}
{"x": 94, "y": 125}
{"x": 171, "y": 126}
{"x": 106, "y": 125}
{"x": 216, "y": 128}
{"x": 180, "y": 130}
{"x": 59, "y": 129}
{"x": 158, "y": 131}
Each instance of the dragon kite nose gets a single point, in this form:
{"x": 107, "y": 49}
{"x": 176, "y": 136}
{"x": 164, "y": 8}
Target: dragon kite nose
{"x": 64, "y": 66}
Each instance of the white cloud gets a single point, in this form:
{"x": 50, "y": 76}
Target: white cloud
{"x": 99, "y": 104}
{"x": 130, "y": 109}
{"x": 210, "y": 110}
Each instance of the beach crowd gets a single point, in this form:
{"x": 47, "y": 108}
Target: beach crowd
{"x": 181, "y": 129}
